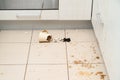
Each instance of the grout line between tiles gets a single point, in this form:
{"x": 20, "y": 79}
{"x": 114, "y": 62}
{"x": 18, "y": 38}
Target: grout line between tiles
{"x": 12, "y": 64}
{"x": 47, "y": 64}
{"x": 86, "y": 63}
{"x": 14, "y": 42}
{"x": 51, "y": 64}
{"x": 66, "y": 56}
{"x": 74, "y": 41}
{"x": 102, "y": 57}
{"x": 28, "y": 55}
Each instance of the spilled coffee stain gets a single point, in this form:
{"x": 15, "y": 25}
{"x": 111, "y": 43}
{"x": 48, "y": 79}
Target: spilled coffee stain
{"x": 78, "y": 62}
{"x": 101, "y": 74}
{"x": 85, "y": 73}
{"x": 102, "y": 77}
{"x": 88, "y": 65}
{"x": 97, "y": 57}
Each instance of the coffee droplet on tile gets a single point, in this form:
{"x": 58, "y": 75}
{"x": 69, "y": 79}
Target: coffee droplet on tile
{"x": 97, "y": 73}
{"x": 97, "y": 57}
{"x": 101, "y": 74}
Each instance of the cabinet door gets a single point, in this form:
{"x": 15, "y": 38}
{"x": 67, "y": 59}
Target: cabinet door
{"x": 49, "y": 15}
{"x": 75, "y": 9}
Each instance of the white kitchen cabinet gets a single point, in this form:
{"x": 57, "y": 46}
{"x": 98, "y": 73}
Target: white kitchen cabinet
{"x": 75, "y": 9}
{"x": 8, "y": 15}
{"x": 20, "y": 15}
{"x": 29, "y": 15}
{"x": 68, "y": 10}
{"x": 49, "y": 15}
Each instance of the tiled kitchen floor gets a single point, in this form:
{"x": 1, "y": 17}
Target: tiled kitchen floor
{"x": 23, "y": 58}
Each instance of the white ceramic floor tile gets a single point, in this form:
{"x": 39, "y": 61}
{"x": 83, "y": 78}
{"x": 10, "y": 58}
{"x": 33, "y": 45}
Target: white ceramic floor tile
{"x": 12, "y": 72}
{"x": 15, "y": 35}
{"x": 46, "y": 72}
{"x": 47, "y": 53}
{"x": 56, "y": 34}
{"x": 81, "y": 35}
{"x": 87, "y": 72}
{"x": 83, "y": 52}
{"x": 13, "y": 53}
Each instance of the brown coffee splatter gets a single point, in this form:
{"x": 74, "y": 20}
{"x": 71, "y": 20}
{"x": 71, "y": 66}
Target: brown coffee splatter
{"x": 77, "y": 62}
{"x": 88, "y": 65}
{"x": 97, "y": 73}
{"x": 101, "y": 74}
{"x": 97, "y": 57}
{"x": 85, "y": 73}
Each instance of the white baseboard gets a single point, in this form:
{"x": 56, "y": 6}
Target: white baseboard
{"x": 45, "y": 24}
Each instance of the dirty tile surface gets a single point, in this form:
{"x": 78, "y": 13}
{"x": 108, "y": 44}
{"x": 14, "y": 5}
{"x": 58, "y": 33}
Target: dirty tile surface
{"x": 83, "y": 52}
{"x": 22, "y": 57}
{"x": 87, "y": 72}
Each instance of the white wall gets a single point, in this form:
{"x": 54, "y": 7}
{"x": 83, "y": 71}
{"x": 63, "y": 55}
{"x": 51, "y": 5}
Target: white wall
{"x": 112, "y": 44}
